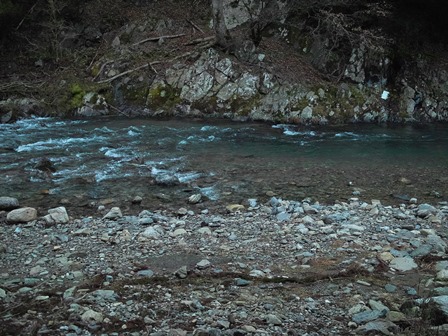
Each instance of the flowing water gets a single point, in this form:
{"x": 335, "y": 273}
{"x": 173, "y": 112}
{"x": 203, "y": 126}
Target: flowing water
{"x": 113, "y": 160}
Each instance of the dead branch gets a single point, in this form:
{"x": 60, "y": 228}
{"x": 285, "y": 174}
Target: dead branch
{"x": 116, "y": 109}
{"x": 30, "y": 11}
{"x": 157, "y": 38}
{"x": 101, "y": 70}
{"x": 200, "y": 40}
{"x": 195, "y": 26}
{"x": 128, "y": 72}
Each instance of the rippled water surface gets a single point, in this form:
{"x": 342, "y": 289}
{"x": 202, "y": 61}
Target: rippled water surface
{"x": 164, "y": 162}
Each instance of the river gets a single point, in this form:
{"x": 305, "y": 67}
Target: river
{"x": 111, "y": 161}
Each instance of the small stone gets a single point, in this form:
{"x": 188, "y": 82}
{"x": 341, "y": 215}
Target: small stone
{"x": 390, "y": 288}
{"x": 114, "y": 213}
{"x": 145, "y": 273}
{"x": 367, "y": 316}
{"x": 248, "y": 328}
{"x": 403, "y": 264}
{"x": 182, "y": 272}
{"x": 194, "y": 199}
{"x": 182, "y": 211}
{"x": 273, "y": 319}
{"x": 179, "y": 232}
{"x": 137, "y": 200}
{"x": 364, "y": 283}
{"x": 203, "y": 264}
{"x": 21, "y": 215}
{"x": 395, "y": 316}
{"x": 242, "y": 282}
{"x": 2, "y": 293}
{"x": 283, "y": 216}
{"x": 235, "y": 207}
{"x": 42, "y": 298}
{"x": 91, "y": 315}
{"x": 377, "y": 305}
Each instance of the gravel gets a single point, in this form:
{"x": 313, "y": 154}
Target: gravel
{"x": 281, "y": 268}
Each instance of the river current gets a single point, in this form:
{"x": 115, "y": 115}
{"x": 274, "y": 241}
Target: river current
{"x": 111, "y": 161}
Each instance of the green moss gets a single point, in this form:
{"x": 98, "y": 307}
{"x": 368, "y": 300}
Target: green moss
{"x": 243, "y": 107}
{"x": 135, "y": 94}
{"x": 76, "y": 96}
{"x": 163, "y": 97}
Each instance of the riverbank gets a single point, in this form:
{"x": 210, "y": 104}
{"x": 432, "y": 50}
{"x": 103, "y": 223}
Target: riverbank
{"x": 283, "y": 267}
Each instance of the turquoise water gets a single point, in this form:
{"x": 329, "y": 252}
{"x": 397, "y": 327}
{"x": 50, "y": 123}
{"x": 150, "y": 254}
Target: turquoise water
{"x": 166, "y": 161}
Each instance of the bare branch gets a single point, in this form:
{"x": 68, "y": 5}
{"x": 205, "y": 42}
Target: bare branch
{"x": 158, "y": 38}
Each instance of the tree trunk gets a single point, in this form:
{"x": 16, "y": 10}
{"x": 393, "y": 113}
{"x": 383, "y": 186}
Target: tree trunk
{"x": 223, "y": 38}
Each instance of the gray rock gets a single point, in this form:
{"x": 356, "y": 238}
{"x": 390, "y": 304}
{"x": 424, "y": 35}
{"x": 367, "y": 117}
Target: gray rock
{"x": 273, "y": 319}
{"x": 2, "y": 293}
{"x": 21, "y": 215}
{"x": 106, "y": 295}
{"x": 203, "y": 264}
{"x": 384, "y": 327}
{"x": 390, "y": 288}
{"x": 145, "y": 273}
{"x": 153, "y": 232}
{"x": 367, "y": 316}
{"x": 8, "y": 203}
{"x": 92, "y": 316}
{"x": 283, "y": 216}
{"x": 57, "y": 216}
{"x": 425, "y": 210}
{"x": 421, "y": 251}
{"x": 114, "y": 213}
{"x": 182, "y": 272}
{"x": 194, "y": 199}
{"x": 242, "y": 282}
{"x": 403, "y": 264}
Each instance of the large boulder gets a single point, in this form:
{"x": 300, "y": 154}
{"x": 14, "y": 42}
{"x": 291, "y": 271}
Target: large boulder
{"x": 21, "y": 215}
{"x": 8, "y": 203}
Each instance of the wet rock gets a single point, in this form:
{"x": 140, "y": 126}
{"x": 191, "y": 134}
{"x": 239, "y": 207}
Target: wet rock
{"x": 21, "y": 215}
{"x": 57, "y": 216}
{"x": 114, "y": 213}
{"x": 8, "y": 203}
{"x": 45, "y": 164}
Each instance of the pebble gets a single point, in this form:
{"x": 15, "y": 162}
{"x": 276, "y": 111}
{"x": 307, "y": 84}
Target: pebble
{"x": 92, "y": 316}
{"x": 113, "y": 213}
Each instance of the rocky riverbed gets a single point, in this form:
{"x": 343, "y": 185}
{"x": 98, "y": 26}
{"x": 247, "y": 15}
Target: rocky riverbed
{"x": 280, "y": 268}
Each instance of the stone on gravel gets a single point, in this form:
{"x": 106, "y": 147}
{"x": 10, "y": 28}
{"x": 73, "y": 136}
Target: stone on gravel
{"x": 203, "y": 264}
{"x": 145, "y": 273}
{"x": 403, "y": 264}
{"x": 235, "y": 207}
{"x": 384, "y": 327}
{"x": 182, "y": 272}
{"x": 8, "y": 203}
{"x": 367, "y": 316}
{"x": 442, "y": 275}
{"x": 194, "y": 199}
{"x": 114, "y": 213}
{"x": 273, "y": 319}
{"x": 92, "y": 316}
{"x": 22, "y": 215}
{"x": 2, "y": 293}
{"x": 57, "y": 216}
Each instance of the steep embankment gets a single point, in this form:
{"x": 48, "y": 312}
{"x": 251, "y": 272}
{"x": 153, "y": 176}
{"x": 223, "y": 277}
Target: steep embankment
{"x": 161, "y": 59}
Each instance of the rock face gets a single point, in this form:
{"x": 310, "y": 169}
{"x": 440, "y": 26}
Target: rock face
{"x": 21, "y": 215}
{"x": 8, "y": 203}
